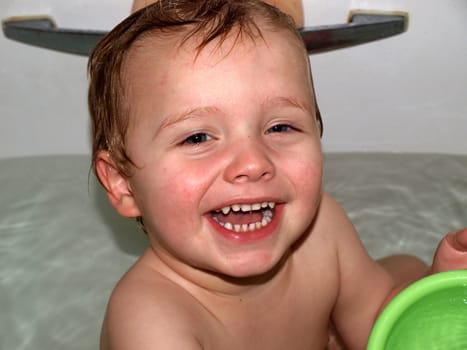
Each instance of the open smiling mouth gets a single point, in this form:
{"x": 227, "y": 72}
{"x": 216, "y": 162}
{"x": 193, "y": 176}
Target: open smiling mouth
{"x": 244, "y": 217}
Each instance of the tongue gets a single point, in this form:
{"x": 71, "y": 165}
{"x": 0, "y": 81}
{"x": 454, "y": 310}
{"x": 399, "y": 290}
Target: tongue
{"x": 239, "y": 217}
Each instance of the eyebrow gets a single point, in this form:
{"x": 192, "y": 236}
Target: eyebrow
{"x": 190, "y": 113}
{"x": 270, "y": 102}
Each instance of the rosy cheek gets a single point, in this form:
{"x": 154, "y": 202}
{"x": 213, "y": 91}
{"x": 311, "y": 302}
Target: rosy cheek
{"x": 308, "y": 171}
{"x": 182, "y": 185}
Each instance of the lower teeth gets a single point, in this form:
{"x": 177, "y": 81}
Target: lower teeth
{"x": 267, "y": 218}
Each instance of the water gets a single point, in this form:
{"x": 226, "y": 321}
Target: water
{"x": 62, "y": 248}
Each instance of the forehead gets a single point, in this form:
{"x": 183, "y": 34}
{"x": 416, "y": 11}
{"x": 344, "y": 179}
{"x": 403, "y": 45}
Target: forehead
{"x": 159, "y": 49}
{"x": 165, "y": 73}
{"x": 236, "y": 76}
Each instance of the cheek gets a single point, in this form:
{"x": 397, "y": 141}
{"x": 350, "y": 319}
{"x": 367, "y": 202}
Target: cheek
{"x": 170, "y": 193}
{"x": 182, "y": 184}
{"x": 308, "y": 189}
{"x": 309, "y": 183}
{"x": 308, "y": 171}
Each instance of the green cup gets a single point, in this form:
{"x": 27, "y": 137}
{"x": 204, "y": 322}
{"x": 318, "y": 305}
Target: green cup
{"x": 429, "y": 314}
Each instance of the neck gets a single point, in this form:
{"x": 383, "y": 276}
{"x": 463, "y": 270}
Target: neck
{"x": 199, "y": 281}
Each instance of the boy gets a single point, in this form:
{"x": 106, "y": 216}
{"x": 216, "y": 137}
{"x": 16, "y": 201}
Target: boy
{"x": 206, "y": 129}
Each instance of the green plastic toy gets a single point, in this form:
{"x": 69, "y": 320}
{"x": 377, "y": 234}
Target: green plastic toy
{"x": 429, "y": 314}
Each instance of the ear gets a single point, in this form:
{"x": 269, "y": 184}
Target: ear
{"x": 116, "y": 185}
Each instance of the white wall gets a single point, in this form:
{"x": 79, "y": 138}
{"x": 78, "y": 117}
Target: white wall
{"x": 403, "y": 94}
{"x": 43, "y": 93}
{"x": 407, "y": 93}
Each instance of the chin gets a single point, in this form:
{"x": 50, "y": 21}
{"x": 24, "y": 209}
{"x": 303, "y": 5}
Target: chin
{"x": 255, "y": 266}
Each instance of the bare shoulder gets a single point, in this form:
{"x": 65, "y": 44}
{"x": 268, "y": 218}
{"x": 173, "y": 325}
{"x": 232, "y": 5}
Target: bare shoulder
{"x": 332, "y": 222}
{"x": 148, "y": 311}
{"x": 331, "y": 209}
{"x": 363, "y": 283}
{"x": 351, "y": 253}
{"x": 330, "y": 230}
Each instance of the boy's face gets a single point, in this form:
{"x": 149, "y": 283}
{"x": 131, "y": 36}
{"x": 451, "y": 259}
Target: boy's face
{"x": 234, "y": 127}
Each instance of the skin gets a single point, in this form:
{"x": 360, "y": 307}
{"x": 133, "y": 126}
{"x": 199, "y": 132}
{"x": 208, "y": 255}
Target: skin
{"x": 236, "y": 124}
{"x": 292, "y": 7}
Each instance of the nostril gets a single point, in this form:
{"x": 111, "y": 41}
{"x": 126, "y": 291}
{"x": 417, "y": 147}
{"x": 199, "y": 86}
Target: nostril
{"x": 249, "y": 162}
{"x": 254, "y": 174}
{"x": 266, "y": 175}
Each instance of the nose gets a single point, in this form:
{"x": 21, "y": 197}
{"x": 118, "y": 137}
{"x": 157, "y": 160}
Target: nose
{"x": 249, "y": 162}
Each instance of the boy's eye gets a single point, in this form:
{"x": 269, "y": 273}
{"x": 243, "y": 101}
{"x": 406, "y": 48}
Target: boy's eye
{"x": 279, "y": 128}
{"x": 196, "y": 139}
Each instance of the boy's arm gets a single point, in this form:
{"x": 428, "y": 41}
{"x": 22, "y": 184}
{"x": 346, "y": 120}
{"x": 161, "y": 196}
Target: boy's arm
{"x": 364, "y": 284}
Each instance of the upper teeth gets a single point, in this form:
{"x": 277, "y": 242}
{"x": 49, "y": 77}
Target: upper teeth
{"x": 247, "y": 207}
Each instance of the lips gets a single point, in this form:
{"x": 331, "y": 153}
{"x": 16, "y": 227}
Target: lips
{"x": 245, "y": 217}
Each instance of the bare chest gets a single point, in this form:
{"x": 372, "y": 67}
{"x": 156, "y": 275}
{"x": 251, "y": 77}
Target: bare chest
{"x": 298, "y": 320}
